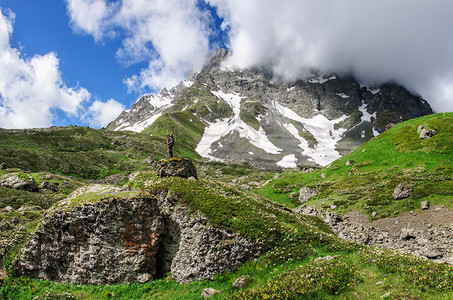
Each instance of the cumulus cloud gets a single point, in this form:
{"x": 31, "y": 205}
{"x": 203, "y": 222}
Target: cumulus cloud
{"x": 100, "y": 114}
{"x": 31, "y": 88}
{"x": 172, "y": 35}
{"x": 409, "y": 41}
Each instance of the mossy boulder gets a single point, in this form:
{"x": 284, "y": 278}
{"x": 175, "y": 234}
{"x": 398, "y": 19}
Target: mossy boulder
{"x": 177, "y": 167}
{"x": 19, "y": 181}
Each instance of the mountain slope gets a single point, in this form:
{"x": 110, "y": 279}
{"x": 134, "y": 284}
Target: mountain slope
{"x": 365, "y": 179}
{"x": 248, "y": 115}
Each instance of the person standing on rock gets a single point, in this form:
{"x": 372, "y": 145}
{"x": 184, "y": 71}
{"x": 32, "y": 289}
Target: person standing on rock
{"x": 170, "y": 143}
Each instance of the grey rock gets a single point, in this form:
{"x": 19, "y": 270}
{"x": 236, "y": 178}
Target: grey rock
{"x": 208, "y": 293}
{"x": 425, "y": 205}
{"x": 240, "y": 282}
{"x": 144, "y": 278}
{"x": 373, "y": 214}
{"x": 8, "y": 209}
{"x": 323, "y": 175}
{"x": 306, "y": 194}
{"x": 402, "y": 191}
{"x": 177, "y": 167}
{"x": 425, "y": 133}
{"x": 116, "y": 179}
{"x": 349, "y": 162}
{"x": 129, "y": 240}
{"x": 388, "y": 126}
{"x": 432, "y": 253}
{"x": 19, "y": 182}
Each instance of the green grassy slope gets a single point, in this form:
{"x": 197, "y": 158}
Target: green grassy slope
{"x": 287, "y": 270}
{"x": 78, "y": 151}
{"x": 185, "y": 126}
{"x": 367, "y": 181}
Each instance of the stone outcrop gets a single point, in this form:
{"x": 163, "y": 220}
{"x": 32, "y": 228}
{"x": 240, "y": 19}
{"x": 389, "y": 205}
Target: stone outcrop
{"x": 425, "y": 133}
{"x": 177, "y": 167}
{"x": 306, "y": 194}
{"x": 19, "y": 181}
{"x": 429, "y": 234}
{"x": 402, "y": 191}
{"x": 130, "y": 239}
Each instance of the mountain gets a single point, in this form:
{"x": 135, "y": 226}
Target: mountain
{"x": 229, "y": 114}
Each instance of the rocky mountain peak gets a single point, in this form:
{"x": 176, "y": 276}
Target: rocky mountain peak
{"x": 248, "y": 115}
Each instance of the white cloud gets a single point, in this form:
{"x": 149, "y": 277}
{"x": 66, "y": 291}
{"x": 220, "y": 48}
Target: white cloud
{"x": 409, "y": 41}
{"x": 30, "y": 89}
{"x": 172, "y": 35}
{"x": 89, "y": 16}
{"x": 100, "y": 114}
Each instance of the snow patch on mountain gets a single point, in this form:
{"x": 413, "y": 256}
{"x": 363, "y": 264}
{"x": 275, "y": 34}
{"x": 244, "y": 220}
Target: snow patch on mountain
{"x": 366, "y": 117}
{"x": 289, "y": 161}
{"x": 214, "y": 131}
{"x": 322, "y": 129}
{"x": 140, "y": 126}
{"x": 321, "y": 79}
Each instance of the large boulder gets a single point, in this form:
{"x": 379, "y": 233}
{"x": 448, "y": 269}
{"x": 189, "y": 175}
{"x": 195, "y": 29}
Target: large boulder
{"x": 19, "y": 181}
{"x": 306, "y": 194}
{"x": 130, "y": 237}
{"x": 402, "y": 191}
{"x": 177, "y": 167}
{"x": 425, "y": 133}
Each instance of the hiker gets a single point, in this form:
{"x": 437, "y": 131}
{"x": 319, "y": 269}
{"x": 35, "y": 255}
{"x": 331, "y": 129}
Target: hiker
{"x": 170, "y": 143}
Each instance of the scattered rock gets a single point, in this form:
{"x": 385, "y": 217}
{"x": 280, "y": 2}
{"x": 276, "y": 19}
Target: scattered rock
{"x": 323, "y": 175}
{"x": 19, "y": 181}
{"x": 408, "y": 233}
{"x": 292, "y": 195}
{"x": 144, "y": 278}
{"x": 3, "y": 273}
{"x": 209, "y": 292}
{"x": 115, "y": 179}
{"x": 349, "y": 162}
{"x": 29, "y": 208}
{"x": 402, "y": 191}
{"x": 47, "y": 186}
{"x": 373, "y": 214}
{"x": 177, "y": 167}
{"x": 425, "y": 205}
{"x": 432, "y": 253}
{"x": 425, "y": 133}
{"x": 306, "y": 194}
{"x": 388, "y": 126}
{"x": 8, "y": 209}
{"x": 240, "y": 282}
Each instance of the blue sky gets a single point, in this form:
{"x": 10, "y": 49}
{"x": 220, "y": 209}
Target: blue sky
{"x": 82, "y": 62}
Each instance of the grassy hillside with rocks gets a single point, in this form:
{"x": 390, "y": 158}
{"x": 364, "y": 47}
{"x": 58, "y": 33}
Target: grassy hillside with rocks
{"x": 301, "y": 256}
{"x": 366, "y": 179}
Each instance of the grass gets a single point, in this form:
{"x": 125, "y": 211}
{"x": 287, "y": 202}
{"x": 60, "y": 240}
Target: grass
{"x": 366, "y": 183}
{"x": 358, "y": 275}
{"x": 81, "y": 152}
